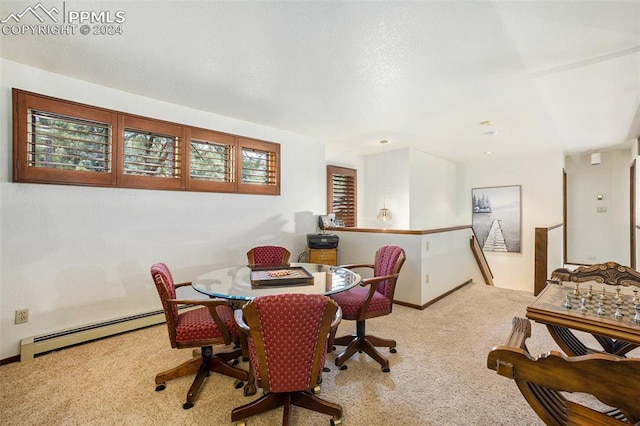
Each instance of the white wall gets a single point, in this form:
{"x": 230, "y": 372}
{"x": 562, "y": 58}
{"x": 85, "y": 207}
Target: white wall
{"x": 634, "y": 159}
{"x": 540, "y": 178}
{"x": 427, "y": 192}
{"x": 434, "y": 193}
{"x": 393, "y": 191}
{"x": 555, "y": 246}
{"x": 592, "y": 236}
{"x": 360, "y": 247}
{"x": 445, "y": 257}
{"x": 421, "y": 190}
{"x": 76, "y": 255}
{"x": 634, "y": 155}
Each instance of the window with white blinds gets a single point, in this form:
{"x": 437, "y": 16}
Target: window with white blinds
{"x": 342, "y": 194}
{"x": 58, "y": 141}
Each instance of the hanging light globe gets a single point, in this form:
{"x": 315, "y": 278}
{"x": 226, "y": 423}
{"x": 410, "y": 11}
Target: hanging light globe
{"x": 384, "y": 214}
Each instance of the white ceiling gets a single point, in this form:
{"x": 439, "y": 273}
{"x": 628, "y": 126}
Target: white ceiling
{"x": 553, "y": 75}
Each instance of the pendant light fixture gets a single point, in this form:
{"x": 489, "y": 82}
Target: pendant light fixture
{"x": 384, "y": 214}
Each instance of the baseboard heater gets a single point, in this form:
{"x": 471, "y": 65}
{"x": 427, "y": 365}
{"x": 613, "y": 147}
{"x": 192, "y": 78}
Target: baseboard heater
{"x": 31, "y": 346}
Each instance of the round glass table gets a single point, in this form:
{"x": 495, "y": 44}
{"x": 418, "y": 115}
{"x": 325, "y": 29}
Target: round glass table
{"x": 235, "y": 283}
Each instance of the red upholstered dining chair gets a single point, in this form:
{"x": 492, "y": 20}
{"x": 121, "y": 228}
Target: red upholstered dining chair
{"x": 373, "y": 298}
{"x": 211, "y": 324}
{"x": 287, "y": 344}
{"x": 268, "y": 256}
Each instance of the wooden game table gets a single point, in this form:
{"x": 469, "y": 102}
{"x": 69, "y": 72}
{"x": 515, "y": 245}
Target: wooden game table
{"x": 606, "y": 374}
{"x": 558, "y": 307}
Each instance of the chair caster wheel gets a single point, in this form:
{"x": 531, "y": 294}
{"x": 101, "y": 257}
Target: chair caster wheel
{"x": 316, "y": 390}
{"x": 187, "y": 405}
{"x": 250, "y": 390}
{"x": 333, "y": 348}
{"x": 343, "y": 367}
{"x": 235, "y": 362}
{"x": 393, "y": 350}
{"x": 326, "y": 369}
{"x": 336, "y": 422}
{"x": 160, "y": 387}
{"x": 386, "y": 370}
{"x": 238, "y": 384}
{"x": 360, "y": 351}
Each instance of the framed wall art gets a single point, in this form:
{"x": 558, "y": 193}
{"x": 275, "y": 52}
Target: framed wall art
{"x": 497, "y": 218}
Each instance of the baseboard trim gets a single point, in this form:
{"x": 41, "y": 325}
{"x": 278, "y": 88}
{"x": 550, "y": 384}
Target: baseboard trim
{"x": 431, "y": 302}
{"x": 34, "y": 345}
{"x": 10, "y": 360}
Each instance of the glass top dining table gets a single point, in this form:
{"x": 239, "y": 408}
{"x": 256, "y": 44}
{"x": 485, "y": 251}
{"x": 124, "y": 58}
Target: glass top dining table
{"x": 234, "y": 283}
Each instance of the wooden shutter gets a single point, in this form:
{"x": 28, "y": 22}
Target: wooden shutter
{"x": 342, "y": 194}
{"x": 258, "y": 167}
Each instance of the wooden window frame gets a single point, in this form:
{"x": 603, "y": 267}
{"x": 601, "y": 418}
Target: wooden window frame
{"x": 230, "y": 185}
{"x": 128, "y": 122}
{"x": 350, "y": 220}
{"x": 273, "y": 188}
{"x": 24, "y": 102}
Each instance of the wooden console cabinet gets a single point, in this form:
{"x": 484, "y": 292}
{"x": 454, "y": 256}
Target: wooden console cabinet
{"x": 323, "y": 256}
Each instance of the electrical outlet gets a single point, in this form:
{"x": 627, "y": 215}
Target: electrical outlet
{"x": 426, "y": 279}
{"x": 22, "y": 315}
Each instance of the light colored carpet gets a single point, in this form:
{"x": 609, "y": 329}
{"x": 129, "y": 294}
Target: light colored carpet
{"x": 438, "y": 377}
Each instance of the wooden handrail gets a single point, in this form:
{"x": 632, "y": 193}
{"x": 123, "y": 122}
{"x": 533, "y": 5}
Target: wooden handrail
{"x": 481, "y": 259}
{"x": 400, "y": 231}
